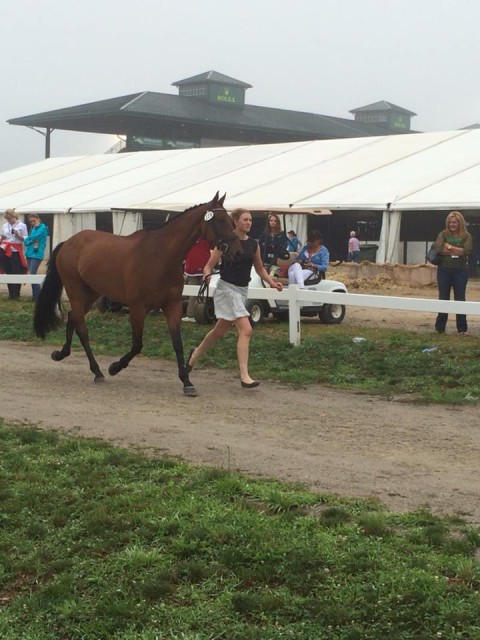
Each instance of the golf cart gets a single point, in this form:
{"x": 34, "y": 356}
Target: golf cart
{"x": 260, "y": 309}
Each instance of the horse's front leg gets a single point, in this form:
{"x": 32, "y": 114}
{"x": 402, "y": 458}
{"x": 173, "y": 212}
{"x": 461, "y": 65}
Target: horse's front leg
{"x": 173, "y": 315}
{"x": 137, "y": 323}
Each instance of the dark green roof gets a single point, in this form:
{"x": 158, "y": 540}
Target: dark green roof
{"x": 383, "y": 105}
{"x": 211, "y": 76}
{"x": 149, "y": 112}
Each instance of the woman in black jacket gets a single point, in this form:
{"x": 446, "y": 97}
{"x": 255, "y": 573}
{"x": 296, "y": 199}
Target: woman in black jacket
{"x": 273, "y": 241}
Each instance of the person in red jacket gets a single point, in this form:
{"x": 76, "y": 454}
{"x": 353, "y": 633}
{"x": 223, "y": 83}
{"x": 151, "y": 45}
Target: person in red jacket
{"x": 195, "y": 260}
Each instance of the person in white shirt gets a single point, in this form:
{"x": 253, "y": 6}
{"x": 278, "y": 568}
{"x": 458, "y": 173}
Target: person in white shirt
{"x": 12, "y": 259}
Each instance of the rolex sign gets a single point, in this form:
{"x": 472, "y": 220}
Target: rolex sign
{"x": 228, "y": 96}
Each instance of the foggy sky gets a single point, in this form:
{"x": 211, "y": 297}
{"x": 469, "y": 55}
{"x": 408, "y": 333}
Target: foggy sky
{"x": 322, "y": 56}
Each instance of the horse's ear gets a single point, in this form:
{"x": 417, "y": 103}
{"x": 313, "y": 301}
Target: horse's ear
{"x": 222, "y": 199}
{"x": 215, "y": 197}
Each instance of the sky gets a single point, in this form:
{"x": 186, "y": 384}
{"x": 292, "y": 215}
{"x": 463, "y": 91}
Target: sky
{"x": 321, "y": 56}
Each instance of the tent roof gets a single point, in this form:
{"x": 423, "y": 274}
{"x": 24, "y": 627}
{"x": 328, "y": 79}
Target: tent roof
{"x": 415, "y": 171}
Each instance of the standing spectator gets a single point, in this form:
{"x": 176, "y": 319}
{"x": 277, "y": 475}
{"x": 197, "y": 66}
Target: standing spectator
{"x": 455, "y": 244}
{"x": 35, "y": 243}
{"x": 293, "y": 242}
{"x": 353, "y": 248}
{"x": 196, "y": 259}
{"x": 273, "y": 241}
{"x": 12, "y": 259}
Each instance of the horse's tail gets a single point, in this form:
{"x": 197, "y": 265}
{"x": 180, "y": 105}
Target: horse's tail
{"x": 48, "y": 314}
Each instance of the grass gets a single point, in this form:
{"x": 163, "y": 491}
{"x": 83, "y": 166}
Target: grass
{"x": 389, "y": 362}
{"x": 101, "y": 543}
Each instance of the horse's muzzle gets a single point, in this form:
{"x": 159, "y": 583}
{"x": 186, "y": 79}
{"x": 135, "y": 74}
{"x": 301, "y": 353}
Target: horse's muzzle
{"x": 225, "y": 246}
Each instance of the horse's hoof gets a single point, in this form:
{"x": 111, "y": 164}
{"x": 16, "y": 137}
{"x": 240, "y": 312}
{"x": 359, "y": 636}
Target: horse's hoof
{"x": 99, "y": 378}
{"x": 114, "y": 368}
{"x": 190, "y": 391}
{"x": 57, "y": 356}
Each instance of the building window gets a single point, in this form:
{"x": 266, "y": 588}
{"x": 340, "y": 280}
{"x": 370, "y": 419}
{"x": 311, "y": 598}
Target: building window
{"x": 194, "y": 90}
{"x": 373, "y": 117}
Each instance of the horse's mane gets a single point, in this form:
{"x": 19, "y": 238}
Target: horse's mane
{"x": 197, "y": 206}
{"x": 160, "y": 225}
{"x": 176, "y": 214}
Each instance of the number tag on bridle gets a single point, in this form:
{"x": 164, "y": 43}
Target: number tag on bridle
{"x": 208, "y": 216}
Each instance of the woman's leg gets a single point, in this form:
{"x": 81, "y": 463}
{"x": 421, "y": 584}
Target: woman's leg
{"x": 444, "y": 286}
{"x": 7, "y": 267}
{"x": 33, "y": 265}
{"x": 459, "y": 283}
{"x": 219, "y": 330}
{"x": 17, "y": 269}
{"x": 297, "y": 275}
{"x": 244, "y": 329}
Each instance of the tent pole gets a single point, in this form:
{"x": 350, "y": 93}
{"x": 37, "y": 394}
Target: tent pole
{"x": 46, "y": 135}
{"x": 47, "y": 142}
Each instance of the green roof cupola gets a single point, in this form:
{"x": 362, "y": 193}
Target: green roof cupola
{"x": 384, "y": 114}
{"x": 215, "y": 88}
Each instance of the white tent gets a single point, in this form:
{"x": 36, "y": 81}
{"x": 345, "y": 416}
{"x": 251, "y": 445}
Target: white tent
{"x": 435, "y": 171}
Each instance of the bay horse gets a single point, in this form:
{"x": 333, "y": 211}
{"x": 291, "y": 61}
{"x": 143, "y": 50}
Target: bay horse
{"x": 144, "y": 271}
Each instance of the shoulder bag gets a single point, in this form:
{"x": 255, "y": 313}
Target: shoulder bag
{"x": 433, "y": 257}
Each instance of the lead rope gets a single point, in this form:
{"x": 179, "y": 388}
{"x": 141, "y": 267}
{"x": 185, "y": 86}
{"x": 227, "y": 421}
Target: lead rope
{"x": 203, "y": 292}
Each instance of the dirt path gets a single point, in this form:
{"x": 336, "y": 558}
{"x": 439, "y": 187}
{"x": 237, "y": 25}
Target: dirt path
{"x": 344, "y": 443}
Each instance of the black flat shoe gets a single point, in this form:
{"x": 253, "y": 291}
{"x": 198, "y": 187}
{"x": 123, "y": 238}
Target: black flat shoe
{"x": 188, "y": 366}
{"x": 249, "y": 385}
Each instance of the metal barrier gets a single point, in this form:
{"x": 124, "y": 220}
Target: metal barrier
{"x": 296, "y": 296}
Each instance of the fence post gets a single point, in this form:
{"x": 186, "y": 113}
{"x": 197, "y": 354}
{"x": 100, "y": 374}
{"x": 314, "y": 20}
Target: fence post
{"x": 293, "y": 315}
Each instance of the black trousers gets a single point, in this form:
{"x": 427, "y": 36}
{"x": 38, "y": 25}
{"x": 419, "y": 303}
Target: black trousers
{"x": 12, "y": 265}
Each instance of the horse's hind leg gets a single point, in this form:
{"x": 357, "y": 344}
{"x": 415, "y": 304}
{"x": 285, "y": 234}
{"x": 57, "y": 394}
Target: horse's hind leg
{"x": 137, "y": 322}
{"x": 77, "y": 317}
{"x": 66, "y": 349}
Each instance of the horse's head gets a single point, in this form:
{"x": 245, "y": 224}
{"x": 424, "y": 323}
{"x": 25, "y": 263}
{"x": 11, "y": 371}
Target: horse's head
{"x": 218, "y": 230}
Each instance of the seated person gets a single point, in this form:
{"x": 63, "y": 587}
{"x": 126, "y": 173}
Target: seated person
{"x": 313, "y": 257}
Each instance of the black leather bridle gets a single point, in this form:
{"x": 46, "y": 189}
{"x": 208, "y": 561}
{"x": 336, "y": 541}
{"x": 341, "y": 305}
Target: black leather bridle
{"x": 223, "y": 244}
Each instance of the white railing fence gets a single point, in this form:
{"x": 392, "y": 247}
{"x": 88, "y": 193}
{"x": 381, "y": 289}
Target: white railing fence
{"x": 296, "y": 296}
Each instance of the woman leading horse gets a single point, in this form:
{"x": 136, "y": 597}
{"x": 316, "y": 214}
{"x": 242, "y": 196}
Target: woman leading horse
{"x": 143, "y": 271}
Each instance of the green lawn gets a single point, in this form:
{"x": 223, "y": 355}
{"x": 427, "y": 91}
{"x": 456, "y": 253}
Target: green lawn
{"x": 101, "y": 543}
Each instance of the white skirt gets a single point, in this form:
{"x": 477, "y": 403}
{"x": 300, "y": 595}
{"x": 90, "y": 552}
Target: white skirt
{"x": 230, "y": 301}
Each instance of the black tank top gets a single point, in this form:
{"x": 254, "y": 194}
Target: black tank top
{"x": 238, "y": 272}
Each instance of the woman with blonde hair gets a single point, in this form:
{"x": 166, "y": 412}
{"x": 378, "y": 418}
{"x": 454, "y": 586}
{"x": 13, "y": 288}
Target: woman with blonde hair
{"x": 455, "y": 244}
{"x": 35, "y": 244}
{"x": 12, "y": 260}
